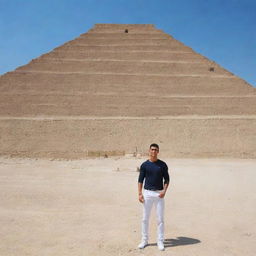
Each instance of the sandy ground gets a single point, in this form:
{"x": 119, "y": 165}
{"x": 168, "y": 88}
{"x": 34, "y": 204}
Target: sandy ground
{"x": 90, "y": 207}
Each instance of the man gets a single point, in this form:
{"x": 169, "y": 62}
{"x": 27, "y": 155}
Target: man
{"x": 154, "y": 172}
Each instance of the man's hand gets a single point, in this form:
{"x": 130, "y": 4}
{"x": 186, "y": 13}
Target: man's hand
{"x": 141, "y": 198}
{"x": 162, "y": 194}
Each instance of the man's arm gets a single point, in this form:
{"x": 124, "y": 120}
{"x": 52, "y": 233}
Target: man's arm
{"x": 141, "y": 198}
{"x": 140, "y": 183}
{"x": 166, "y": 181}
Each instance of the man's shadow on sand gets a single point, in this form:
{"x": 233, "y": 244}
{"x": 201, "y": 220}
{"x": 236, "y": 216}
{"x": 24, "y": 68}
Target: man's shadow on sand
{"x": 181, "y": 240}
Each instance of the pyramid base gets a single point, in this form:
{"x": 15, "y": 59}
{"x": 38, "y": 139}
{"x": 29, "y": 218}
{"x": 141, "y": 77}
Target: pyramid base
{"x": 77, "y": 138}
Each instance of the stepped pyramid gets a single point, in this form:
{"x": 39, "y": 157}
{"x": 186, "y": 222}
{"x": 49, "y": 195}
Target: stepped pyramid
{"x": 118, "y": 88}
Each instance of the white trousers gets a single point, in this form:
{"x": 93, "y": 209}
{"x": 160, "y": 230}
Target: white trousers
{"x": 152, "y": 198}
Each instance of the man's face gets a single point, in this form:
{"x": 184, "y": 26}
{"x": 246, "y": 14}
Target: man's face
{"x": 153, "y": 151}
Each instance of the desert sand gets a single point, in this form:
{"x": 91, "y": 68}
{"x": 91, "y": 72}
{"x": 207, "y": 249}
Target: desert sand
{"x": 90, "y": 207}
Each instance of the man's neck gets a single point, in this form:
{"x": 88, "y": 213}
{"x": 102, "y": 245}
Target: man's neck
{"x": 153, "y": 159}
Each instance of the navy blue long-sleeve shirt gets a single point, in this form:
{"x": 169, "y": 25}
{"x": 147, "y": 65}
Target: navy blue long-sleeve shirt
{"x": 154, "y": 173}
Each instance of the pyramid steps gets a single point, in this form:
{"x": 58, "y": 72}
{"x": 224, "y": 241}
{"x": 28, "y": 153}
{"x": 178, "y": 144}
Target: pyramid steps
{"x": 168, "y": 85}
{"x": 117, "y": 88}
{"x": 143, "y": 68}
{"x": 141, "y": 56}
{"x": 120, "y": 28}
{"x": 100, "y": 35}
{"x": 100, "y": 104}
{"x": 124, "y": 41}
{"x": 141, "y": 47}
{"x": 79, "y": 59}
{"x": 180, "y": 117}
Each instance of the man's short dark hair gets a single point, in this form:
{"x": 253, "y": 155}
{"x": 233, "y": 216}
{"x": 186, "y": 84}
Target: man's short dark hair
{"x": 154, "y": 145}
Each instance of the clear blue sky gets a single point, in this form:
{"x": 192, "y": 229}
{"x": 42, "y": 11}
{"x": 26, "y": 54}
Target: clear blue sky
{"x": 222, "y": 30}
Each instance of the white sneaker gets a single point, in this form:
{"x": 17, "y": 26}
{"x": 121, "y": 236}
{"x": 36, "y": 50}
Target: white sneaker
{"x": 160, "y": 245}
{"x": 143, "y": 244}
